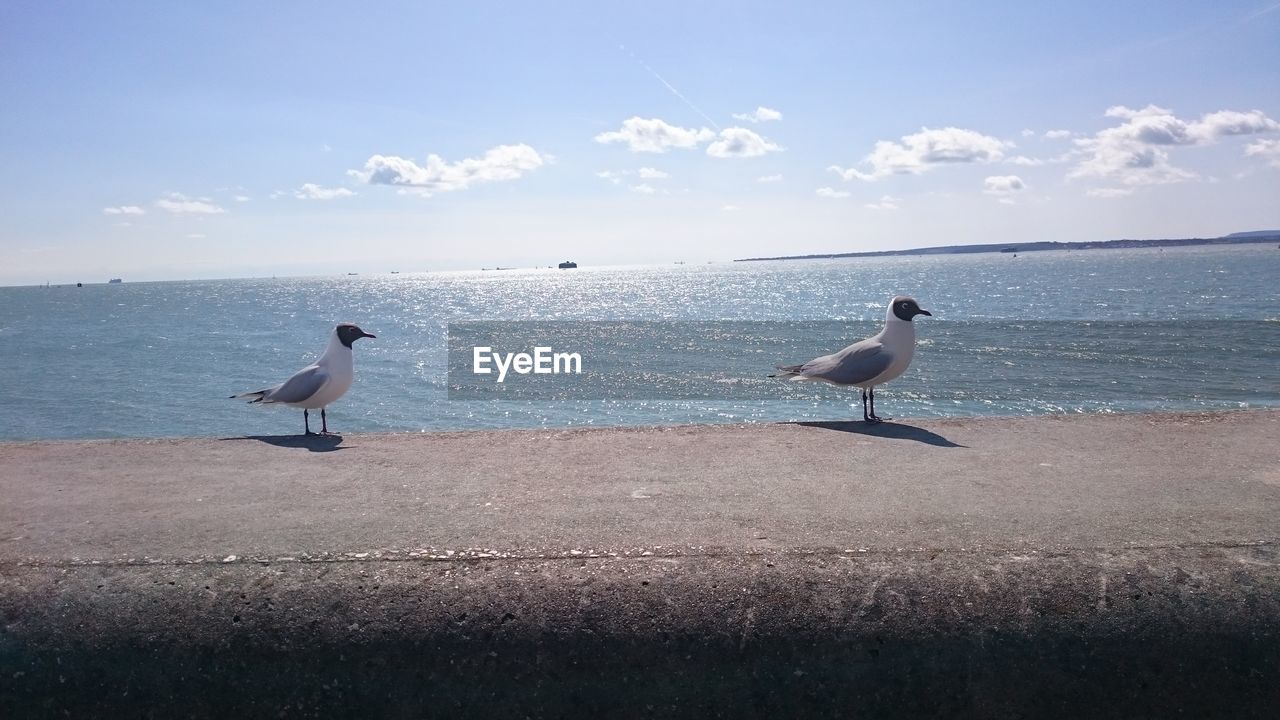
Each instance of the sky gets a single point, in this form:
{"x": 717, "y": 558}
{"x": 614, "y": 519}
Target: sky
{"x": 156, "y": 141}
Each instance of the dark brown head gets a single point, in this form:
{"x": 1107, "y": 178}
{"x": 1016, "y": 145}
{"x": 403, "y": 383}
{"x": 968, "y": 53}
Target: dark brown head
{"x": 349, "y": 333}
{"x": 905, "y": 308}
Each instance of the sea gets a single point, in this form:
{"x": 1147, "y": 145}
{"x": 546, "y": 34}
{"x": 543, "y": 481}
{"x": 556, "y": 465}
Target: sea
{"x": 1050, "y": 332}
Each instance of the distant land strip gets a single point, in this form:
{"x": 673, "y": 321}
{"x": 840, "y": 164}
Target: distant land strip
{"x": 1242, "y": 238}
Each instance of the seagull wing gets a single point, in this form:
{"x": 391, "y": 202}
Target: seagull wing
{"x": 857, "y": 363}
{"x": 306, "y": 382}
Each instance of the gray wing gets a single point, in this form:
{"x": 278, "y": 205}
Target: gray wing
{"x": 857, "y": 363}
{"x": 304, "y": 383}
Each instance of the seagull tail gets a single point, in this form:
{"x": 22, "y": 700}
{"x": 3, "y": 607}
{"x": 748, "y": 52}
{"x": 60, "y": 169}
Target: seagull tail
{"x": 787, "y": 372}
{"x": 257, "y": 395}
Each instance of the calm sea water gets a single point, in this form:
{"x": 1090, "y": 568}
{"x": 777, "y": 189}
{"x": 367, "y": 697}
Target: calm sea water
{"x": 1048, "y": 332}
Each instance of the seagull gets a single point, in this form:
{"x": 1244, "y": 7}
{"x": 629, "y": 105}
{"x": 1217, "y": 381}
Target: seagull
{"x": 867, "y": 363}
{"x": 319, "y": 383}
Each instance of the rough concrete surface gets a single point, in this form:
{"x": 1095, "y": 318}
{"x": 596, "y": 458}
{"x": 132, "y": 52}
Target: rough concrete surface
{"x": 1123, "y": 566}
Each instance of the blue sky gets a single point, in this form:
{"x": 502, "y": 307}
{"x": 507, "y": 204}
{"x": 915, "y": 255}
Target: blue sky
{"x": 171, "y": 141}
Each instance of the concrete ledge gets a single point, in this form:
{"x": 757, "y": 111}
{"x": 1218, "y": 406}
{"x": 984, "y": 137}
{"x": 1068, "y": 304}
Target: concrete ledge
{"x": 1102, "y": 566}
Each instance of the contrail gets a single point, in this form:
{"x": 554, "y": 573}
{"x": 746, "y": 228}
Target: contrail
{"x": 669, "y": 86}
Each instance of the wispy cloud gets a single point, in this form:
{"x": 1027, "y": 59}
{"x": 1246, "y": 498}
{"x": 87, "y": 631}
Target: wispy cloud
{"x": 925, "y": 150}
{"x": 671, "y": 88}
{"x": 1024, "y": 161}
{"x": 1268, "y": 150}
{"x": 759, "y": 115}
{"x": 643, "y": 189}
{"x": 124, "y": 210}
{"x": 1057, "y": 134}
{"x": 645, "y": 173}
{"x": 504, "y": 162}
{"x": 311, "y": 191}
{"x": 731, "y": 208}
{"x": 178, "y": 203}
{"x": 769, "y": 179}
{"x": 887, "y": 202}
{"x": 1108, "y": 192}
{"x": 241, "y": 198}
{"x": 828, "y": 192}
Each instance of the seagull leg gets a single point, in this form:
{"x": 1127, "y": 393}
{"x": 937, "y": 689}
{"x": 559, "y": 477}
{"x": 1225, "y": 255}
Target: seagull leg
{"x": 865, "y": 416}
{"x": 873, "y": 417}
{"x": 306, "y": 422}
{"x": 324, "y": 423}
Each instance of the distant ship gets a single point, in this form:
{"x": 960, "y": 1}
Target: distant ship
{"x": 114, "y": 281}
{"x": 567, "y": 265}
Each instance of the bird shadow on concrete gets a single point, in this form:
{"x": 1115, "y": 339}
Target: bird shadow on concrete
{"x": 314, "y": 443}
{"x": 891, "y": 430}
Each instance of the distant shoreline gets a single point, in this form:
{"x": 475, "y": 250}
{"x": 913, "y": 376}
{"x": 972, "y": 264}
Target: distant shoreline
{"x": 1234, "y": 239}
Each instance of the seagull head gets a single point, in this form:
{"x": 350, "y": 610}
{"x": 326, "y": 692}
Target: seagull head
{"x": 348, "y": 333}
{"x": 906, "y": 308}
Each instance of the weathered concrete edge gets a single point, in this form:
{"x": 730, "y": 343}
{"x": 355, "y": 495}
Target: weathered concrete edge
{"x": 1133, "y": 632}
{"x": 1197, "y": 415}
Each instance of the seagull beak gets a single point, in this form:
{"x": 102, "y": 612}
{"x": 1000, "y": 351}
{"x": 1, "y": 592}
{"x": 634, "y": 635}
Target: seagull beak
{"x": 926, "y": 312}
{"x": 368, "y": 335}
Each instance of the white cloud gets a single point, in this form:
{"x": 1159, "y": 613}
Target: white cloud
{"x": 887, "y": 202}
{"x": 241, "y": 198}
{"x": 740, "y": 142}
{"x": 1135, "y": 152}
{"x": 759, "y": 115}
{"x": 1226, "y": 123}
{"x": 311, "y": 191}
{"x": 179, "y": 203}
{"x": 925, "y": 150}
{"x": 124, "y": 210}
{"x": 769, "y": 179}
{"x": 644, "y": 189}
{"x": 1057, "y": 134}
{"x": 645, "y": 173}
{"x": 827, "y": 192}
{"x": 1027, "y": 132}
{"x": 1108, "y": 192}
{"x": 657, "y": 136}
{"x": 196, "y": 236}
{"x": 1025, "y": 161}
{"x": 730, "y": 208}
{"x": 1268, "y": 150}
{"x": 504, "y": 162}
{"x": 1003, "y": 187}
{"x": 654, "y": 135}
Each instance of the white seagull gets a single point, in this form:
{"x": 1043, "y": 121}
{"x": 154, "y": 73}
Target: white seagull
{"x": 867, "y": 363}
{"x": 319, "y": 383}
